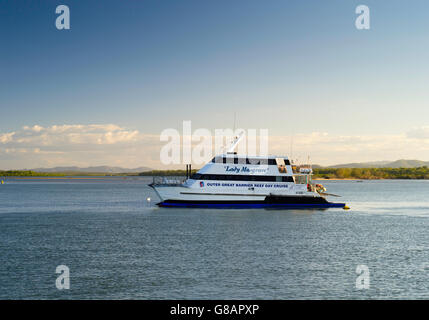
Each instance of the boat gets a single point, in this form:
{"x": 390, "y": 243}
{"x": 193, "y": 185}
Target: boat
{"x": 234, "y": 181}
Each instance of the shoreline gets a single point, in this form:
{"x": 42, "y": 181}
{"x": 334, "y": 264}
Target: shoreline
{"x": 356, "y": 179}
{"x": 100, "y": 177}
{"x": 64, "y": 177}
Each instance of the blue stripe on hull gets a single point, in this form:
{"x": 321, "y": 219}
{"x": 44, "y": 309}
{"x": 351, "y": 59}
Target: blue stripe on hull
{"x": 253, "y": 205}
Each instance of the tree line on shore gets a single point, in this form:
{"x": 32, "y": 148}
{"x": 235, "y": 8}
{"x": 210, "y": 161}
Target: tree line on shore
{"x": 27, "y": 173}
{"x": 372, "y": 173}
{"x": 336, "y": 173}
{"x": 324, "y": 173}
{"x": 30, "y": 173}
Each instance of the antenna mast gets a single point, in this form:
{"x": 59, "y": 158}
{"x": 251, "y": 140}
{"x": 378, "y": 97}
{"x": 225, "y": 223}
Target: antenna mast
{"x": 235, "y": 142}
{"x": 233, "y": 128}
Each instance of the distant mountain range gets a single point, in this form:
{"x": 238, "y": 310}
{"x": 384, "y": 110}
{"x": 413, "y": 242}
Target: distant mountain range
{"x": 374, "y": 164}
{"x": 383, "y": 164}
{"x": 98, "y": 169}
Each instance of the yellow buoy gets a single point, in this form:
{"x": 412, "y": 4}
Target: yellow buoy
{"x": 2, "y": 182}
{"x": 346, "y": 208}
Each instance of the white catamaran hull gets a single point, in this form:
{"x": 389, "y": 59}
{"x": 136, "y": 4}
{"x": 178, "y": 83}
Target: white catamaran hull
{"x": 181, "y": 196}
{"x": 189, "y": 194}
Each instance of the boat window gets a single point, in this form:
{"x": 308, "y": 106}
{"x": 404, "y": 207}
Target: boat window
{"x": 242, "y": 160}
{"x": 281, "y": 165}
{"x": 240, "y": 177}
{"x": 196, "y": 176}
{"x": 229, "y": 159}
{"x": 250, "y": 161}
{"x": 218, "y": 160}
{"x": 260, "y": 161}
{"x": 302, "y": 179}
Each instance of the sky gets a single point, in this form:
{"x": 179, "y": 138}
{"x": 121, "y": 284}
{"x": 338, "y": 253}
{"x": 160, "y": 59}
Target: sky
{"x": 102, "y": 92}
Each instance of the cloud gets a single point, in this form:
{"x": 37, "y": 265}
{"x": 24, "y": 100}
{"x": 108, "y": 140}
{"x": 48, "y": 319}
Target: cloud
{"x": 111, "y": 144}
{"x": 327, "y": 149}
{"x": 419, "y": 133}
{"x": 6, "y": 137}
{"x": 74, "y": 134}
{"x": 82, "y": 145}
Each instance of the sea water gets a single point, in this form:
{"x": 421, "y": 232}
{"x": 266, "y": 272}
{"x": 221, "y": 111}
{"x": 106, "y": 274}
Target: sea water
{"x": 118, "y": 245}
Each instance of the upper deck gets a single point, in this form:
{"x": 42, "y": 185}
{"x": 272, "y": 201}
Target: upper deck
{"x": 233, "y": 164}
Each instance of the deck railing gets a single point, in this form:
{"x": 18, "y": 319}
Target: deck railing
{"x": 171, "y": 180}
